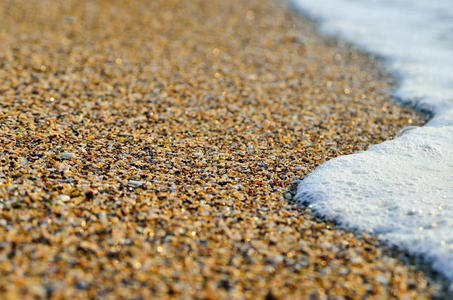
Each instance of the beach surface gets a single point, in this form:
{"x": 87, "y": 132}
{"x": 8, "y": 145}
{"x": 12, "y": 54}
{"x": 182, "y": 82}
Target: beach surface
{"x": 148, "y": 150}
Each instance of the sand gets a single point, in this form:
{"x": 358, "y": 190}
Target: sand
{"x": 148, "y": 150}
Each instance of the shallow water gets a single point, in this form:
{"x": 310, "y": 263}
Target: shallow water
{"x": 400, "y": 190}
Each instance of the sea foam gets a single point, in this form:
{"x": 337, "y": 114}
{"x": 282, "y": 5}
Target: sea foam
{"x": 400, "y": 190}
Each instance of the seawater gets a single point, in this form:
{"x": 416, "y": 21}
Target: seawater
{"x": 400, "y": 190}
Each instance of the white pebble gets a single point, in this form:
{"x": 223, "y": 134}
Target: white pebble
{"x": 67, "y": 155}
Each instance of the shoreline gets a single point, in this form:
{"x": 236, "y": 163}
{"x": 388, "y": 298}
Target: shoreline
{"x": 417, "y": 262}
{"x": 411, "y": 172}
{"x": 155, "y": 162}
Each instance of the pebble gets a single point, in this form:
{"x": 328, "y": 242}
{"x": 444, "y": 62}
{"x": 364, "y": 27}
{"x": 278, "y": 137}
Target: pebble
{"x": 288, "y": 196}
{"x": 63, "y": 198}
{"x": 136, "y": 184}
{"x": 67, "y": 155}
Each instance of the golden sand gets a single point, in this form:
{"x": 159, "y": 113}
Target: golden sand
{"x": 147, "y": 150}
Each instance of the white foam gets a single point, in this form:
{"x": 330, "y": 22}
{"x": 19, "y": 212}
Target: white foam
{"x": 400, "y": 190}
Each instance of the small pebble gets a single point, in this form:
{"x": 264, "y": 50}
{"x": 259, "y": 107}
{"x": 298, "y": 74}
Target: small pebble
{"x": 67, "y": 155}
{"x": 136, "y": 184}
{"x": 63, "y": 198}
